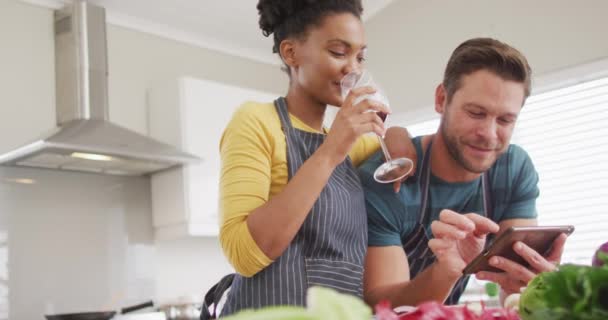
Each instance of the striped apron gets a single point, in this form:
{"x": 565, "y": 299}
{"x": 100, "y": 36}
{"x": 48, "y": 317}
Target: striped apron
{"x": 330, "y": 247}
{"x": 416, "y": 247}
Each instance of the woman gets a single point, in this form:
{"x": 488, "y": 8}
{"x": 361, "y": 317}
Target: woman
{"x": 292, "y": 206}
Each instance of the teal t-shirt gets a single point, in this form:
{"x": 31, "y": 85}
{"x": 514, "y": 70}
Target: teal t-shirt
{"x": 392, "y": 217}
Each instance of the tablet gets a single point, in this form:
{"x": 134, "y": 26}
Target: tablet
{"x": 538, "y": 238}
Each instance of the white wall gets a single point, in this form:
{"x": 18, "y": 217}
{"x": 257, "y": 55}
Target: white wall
{"x": 411, "y": 41}
{"x": 75, "y": 242}
{"x": 188, "y": 266}
{"x": 138, "y": 61}
{"x": 79, "y": 241}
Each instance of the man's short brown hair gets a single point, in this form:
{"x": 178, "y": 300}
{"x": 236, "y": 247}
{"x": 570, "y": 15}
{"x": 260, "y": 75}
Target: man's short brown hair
{"x": 486, "y": 54}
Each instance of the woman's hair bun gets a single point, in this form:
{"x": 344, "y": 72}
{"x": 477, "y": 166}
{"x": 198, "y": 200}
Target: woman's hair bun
{"x": 291, "y": 18}
{"x": 274, "y": 12}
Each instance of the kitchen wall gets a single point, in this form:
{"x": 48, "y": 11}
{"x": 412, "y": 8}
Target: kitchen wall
{"x": 412, "y": 41}
{"x": 73, "y": 241}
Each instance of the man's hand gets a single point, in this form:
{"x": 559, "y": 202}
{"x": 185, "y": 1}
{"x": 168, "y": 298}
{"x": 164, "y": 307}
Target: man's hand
{"x": 517, "y": 276}
{"x": 459, "y": 238}
{"x": 399, "y": 144}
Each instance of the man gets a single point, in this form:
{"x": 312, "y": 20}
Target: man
{"x": 469, "y": 182}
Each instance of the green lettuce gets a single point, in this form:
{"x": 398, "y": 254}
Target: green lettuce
{"x": 329, "y": 304}
{"x": 323, "y": 303}
{"x": 573, "y": 292}
{"x": 274, "y": 313}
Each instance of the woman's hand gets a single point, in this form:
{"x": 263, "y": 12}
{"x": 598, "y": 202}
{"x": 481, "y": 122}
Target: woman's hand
{"x": 516, "y": 276}
{"x": 459, "y": 238}
{"x": 351, "y": 122}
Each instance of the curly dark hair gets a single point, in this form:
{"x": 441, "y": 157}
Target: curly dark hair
{"x": 292, "y": 18}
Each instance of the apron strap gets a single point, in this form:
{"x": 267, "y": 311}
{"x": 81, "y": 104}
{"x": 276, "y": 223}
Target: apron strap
{"x": 486, "y": 184}
{"x": 419, "y": 242}
{"x": 425, "y": 181}
{"x": 425, "y": 172}
{"x": 280, "y": 105}
{"x": 213, "y": 297}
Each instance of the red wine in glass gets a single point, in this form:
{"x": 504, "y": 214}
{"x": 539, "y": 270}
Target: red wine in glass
{"x": 382, "y": 116}
{"x": 392, "y": 169}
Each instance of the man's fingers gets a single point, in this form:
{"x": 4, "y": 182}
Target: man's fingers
{"x": 436, "y": 244}
{"x": 555, "y": 255}
{"x": 444, "y": 230}
{"x": 483, "y": 225}
{"x": 509, "y": 285}
{"x": 516, "y": 275}
{"x": 514, "y": 270}
{"x": 397, "y": 185}
{"x": 536, "y": 261}
{"x": 460, "y": 221}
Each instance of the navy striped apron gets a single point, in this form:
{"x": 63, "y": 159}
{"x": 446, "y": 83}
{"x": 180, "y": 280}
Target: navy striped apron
{"x": 416, "y": 247}
{"x": 330, "y": 247}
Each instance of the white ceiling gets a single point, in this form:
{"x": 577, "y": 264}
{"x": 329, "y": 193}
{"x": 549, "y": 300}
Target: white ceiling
{"x": 229, "y": 26}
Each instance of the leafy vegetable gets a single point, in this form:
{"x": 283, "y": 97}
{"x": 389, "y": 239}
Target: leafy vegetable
{"x": 323, "y": 303}
{"x": 601, "y": 256}
{"x": 435, "y": 311}
{"x": 573, "y": 292}
{"x": 491, "y": 289}
{"x": 329, "y": 304}
{"x": 274, "y": 313}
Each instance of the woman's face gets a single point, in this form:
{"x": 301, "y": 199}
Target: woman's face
{"x": 328, "y": 52}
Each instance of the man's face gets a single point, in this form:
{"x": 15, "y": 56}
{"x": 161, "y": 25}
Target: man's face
{"x": 478, "y": 123}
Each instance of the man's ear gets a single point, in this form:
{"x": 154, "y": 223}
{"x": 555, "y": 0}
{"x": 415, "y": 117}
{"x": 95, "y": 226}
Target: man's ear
{"x": 287, "y": 50}
{"x": 440, "y": 98}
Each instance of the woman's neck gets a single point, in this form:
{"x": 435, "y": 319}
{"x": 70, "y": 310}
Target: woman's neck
{"x": 306, "y": 108}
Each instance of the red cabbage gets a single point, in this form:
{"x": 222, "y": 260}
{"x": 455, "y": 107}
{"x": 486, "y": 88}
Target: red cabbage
{"x": 435, "y": 311}
{"x": 601, "y": 256}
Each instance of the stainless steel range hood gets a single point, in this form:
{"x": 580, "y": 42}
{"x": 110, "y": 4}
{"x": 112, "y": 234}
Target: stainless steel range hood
{"x": 85, "y": 140}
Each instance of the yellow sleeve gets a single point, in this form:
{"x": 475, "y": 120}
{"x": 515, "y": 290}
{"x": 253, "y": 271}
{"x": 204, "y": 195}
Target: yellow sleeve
{"x": 363, "y": 148}
{"x": 245, "y": 151}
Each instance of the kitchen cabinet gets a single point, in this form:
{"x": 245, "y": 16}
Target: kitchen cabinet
{"x": 191, "y": 114}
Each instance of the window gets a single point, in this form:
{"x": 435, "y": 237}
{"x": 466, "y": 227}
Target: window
{"x": 565, "y": 132}
{"x": 423, "y": 128}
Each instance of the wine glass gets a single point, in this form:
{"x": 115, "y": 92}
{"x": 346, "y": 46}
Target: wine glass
{"x": 392, "y": 169}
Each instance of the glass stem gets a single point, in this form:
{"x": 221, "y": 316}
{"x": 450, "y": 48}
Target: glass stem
{"x": 387, "y": 156}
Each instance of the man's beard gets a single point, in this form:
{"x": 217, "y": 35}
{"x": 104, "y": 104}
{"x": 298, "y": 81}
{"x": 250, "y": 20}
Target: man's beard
{"x": 456, "y": 153}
